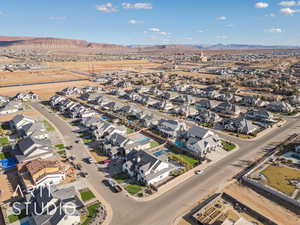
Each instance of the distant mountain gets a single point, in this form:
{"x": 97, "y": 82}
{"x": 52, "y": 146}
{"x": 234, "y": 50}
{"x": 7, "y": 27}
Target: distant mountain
{"x": 243, "y": 46}
{"x": 46, "y": 42}
{"x": 49, "y": 42}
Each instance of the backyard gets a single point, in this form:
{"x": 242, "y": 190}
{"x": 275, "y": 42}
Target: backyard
{"x": 86, "y": 195}
{"x": 92, "y": 212}
{"x": 278, "y": 177}
{"x": 4, "y": 141}
{"x": 185, "y": 160}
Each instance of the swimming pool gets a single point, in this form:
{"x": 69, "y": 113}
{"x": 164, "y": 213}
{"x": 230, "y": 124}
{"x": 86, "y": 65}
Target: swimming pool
{"x": 144, "y": 139}
{"x": 26, "y": 223}
{"x": 8, "y": 163}
{"x": 161, "y": 152}
{"x": 104, "y": 118}
{"x": 179, "y": 143}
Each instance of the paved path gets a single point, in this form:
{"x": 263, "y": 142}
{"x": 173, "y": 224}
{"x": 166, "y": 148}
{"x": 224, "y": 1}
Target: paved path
{"x": 164, "y": 209}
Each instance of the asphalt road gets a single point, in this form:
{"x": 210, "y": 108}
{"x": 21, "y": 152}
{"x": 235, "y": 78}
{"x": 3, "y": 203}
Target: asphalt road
{"x": 164, "y": 209}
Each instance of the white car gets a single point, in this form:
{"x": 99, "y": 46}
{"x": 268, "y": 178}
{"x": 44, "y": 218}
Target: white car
{"x": 199, "y": 172}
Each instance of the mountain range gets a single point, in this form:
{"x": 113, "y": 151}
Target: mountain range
{"x": 48, "y": 42}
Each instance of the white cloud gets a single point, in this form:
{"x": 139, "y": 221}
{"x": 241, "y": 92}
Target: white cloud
{"x": 274, "y": 30}
{"x": 289, "y": 3}
{"x": 154, "y": 29}
{"x": 271, "y": 15}
{"x": 229, "y": 25}
{"x": 222, "y": 37}
{"x": 138, "y": 5}
{"x": 188, "y": 38}
{"x": 106, "y": 8}
{"x": 57, "y": 18}
{"x": 289, "y": 11}
{"x": 261, "y": 5}
{"x": 222, "y": 18}
{"x": 163, "y": 33}
{"x": 200, "y": 31}
{"x": 135, "y": 22}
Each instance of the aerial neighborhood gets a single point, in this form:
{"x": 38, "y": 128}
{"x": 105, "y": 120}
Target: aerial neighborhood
{"x": 108, "y": 134}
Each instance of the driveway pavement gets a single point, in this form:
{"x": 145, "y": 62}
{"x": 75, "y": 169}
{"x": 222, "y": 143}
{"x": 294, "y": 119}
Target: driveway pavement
{"x": 164, "y": 209}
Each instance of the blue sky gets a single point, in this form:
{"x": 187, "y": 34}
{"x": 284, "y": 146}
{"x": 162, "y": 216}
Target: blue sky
{"x": 155, "y": 21}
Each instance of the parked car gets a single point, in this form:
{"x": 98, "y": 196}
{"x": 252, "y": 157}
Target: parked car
{"x": 199, "y": 172}
{"x": 113, "y": 185}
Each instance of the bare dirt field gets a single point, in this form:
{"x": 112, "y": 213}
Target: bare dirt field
{"x": 43, "y": 90}
{"x": 102, "y": 66}
{"x": 35, "y": 76}
{"x": 262, "y": 205}
{"x": 4, "y": 59}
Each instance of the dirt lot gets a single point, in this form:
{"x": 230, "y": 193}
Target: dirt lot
{"x": 102, "y": 66}
{"x": 262, "y": 205}
{"x": 43, "y": 90}
{"x": 29, "y": 113}
{"x": 34, "y": 76}
{"x": 4, "y": 59}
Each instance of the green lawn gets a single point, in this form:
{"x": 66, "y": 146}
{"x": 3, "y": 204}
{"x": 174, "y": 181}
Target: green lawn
{"x": 92, "y": 212}
{"x": 227, "y": 145}
{"x": 130, "y": 130}
{"x": 120, "y": 177}
{"x": 60, "y": 146}
{"x": 3, "y": 156}
{"x": 187, "y": 161}
{"x": 86, "y": 195}
{"x": 48, "y": 126}
{"x": 154, "y": 144}
{"x": 62, "y": 152}
{"x": 13, "y": 218}
{"x": 87, "y": 140}
{"x": 133, "y": 188}
{"x": 4, "y": 141}
{"x": 278, "y": 178}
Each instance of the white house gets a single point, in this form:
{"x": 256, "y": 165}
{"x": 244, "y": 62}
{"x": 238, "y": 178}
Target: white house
{"x": 146, "y": 168}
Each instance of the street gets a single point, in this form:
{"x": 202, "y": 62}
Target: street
{"x": 164, "y": 209}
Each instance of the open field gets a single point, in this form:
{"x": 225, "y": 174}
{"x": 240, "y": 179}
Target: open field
{"x": 262, "y": 205}
{"x": 278, "y": 178}
{"x": 35, "y": 76}
{"x": 43, "y": 90}
{"x": 4, "y": 59}
{"x": 102, "y": 66}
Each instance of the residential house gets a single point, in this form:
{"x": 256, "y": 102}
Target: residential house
{"x": 259, "y": 115}
{"x": 239, "y": 125}
{"x": 163, "y": 105}
{"x": 253, "y": 101}
{"x": 52, "y": 206}
{"x": 146, "y": 168}
{"x": 30, "y": 148}
{"x": 280, "y": 106}
{"x": 71, "y": 91}
{"x": 114, "y": 145}
{"x": 36, "y": 130}
{"x": 228, "y": 108}
{"x": 206, "y": 105}
{"x": 201, "y": 141}
{"x": 39, "y": 172}
{"x": 11, "y": 107}
{"x": 207, "y": 117}
{"x": 184, "y": 110}
{"x": 19, "y": 121}
{"x": 30, "y": 96}
{"x": 171, "y": 128}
